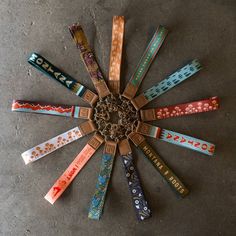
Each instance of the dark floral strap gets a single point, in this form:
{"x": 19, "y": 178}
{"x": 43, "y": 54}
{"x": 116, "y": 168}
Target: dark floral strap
{"x": 140, "y": 204}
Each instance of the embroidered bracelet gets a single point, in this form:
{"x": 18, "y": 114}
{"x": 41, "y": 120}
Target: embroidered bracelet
{"x": 210, "y": 104}
{"x": 53, "y": 72}
{"x": 140, "y": 204}
{"x": 74, "y": 168}
{"x": 159, "y": 164}
{"x": 89, "y": 60}
{"x": 145, "y": 62}
{"x": 171, "y": 81}
{"x": 49, "y": 109}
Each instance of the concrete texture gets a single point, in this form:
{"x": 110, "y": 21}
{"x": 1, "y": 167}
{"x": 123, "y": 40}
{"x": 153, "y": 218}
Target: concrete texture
{"x": 199, "y": 29}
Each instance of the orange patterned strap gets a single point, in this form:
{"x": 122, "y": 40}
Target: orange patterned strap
{"x": 57, "y": 142}
{"x": 74, "y": 168}
{"x": 116, "y": 53}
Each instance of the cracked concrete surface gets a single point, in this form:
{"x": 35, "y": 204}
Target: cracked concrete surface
{"x": 198, "y": 29}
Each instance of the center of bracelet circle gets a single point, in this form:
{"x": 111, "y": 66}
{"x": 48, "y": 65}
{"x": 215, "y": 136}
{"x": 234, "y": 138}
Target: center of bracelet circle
{"x": 115, "y": 117}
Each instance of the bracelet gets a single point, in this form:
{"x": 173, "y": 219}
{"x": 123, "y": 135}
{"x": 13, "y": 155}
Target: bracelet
{"x": 57, "y": 142}
{"x": 74, "y": 168}
{"x": 89, "y": 60}
{"x": 176, "y": 138}
{"x": 159, "y": 164}
{"x": 145, "y": 62}
{"x": 49, "y": 109}
{"x": 210, "y": 104}
{"x": 116, "y": 54}
{"x": 53, "y": 72}
{"x": 171, "y": 81}
{"x": 98, "y": 199}
{"x": 140, "y": 204}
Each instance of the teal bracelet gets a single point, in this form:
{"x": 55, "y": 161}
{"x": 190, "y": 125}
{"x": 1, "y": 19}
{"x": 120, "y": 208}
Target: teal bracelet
{"x": 55, "y": 73}
{"x": 98, "y": 199}
{"x": 171, "y": 81}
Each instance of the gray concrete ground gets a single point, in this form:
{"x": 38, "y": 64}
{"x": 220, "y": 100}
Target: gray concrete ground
{"x": 198, "y": 29}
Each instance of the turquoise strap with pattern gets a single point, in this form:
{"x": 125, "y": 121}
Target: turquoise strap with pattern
{"x": 98, "y": 199}
{"x": 171, "y": 81}
{"x": 187, "y": 141}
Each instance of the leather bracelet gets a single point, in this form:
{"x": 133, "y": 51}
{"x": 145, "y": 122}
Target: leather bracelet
{"x": 176, "y": 138}
{"x": 145, "y": 62}
{"x": 140, "y": 204}
{"x": 210, "y": 104}
{"x": 49, "y": 109}
{"x": 66, "y": 80}
{"x": 159, "y": 164}
{"x": 74, "y": 168}
{"x": 116, "y": 54}
{"x": 57, "y": 142}
{"x": 171, "y": 81}
{"x": 89, "y": 60}
{"x": 98, "y": 199}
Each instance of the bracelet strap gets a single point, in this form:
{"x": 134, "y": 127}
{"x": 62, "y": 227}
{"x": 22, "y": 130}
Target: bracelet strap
{"x": 51, "y": 109}
{"x": 176, "y": 138}
{"x": 53, "y": 72}
{"x": 145, "y": 62}
{"x": 159, "y": 164}
{"x": 171, "y": 81}
{"x": 187, "y": 142}
{"x": 74, "y": 168}
{"x": 98, "y": 199}
{"x": 116, "y": 54}
{"x": 57, "y": 142}
{"x": 140, "y": 204}
{"x": 210, "y": 104}
{"x": 89, "y": 60}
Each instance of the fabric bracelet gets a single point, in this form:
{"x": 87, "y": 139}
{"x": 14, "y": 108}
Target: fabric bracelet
{"x": 171, "y": 81}
{"x": 176, "y": 138}
{"x": 53, "y": 72}
{"x": 210, "y": 104}
{"x": 89, "y": 60}
{"x": 50, "y": 109}
{"x": 116, "y": 54}
{"x": 57, "y": 142}
{"x": 159, "y": 164}
{"x": 98, "y": 199}
{"x": 145, "y": 62}
{"x": 74, "y": 168}
{"x": 140, "y": 204}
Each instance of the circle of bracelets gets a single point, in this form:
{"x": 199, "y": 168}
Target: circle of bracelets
{"x": 123, "y": 110}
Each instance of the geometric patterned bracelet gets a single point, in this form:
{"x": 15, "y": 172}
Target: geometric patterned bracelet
{"x": 140, "y": 204}
{"x": 169, "y": 82}
{"x": 49, "y": 109}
